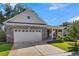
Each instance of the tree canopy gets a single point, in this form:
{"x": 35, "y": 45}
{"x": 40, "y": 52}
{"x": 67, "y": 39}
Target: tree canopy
{"x": 73, "y": 29}
{"x": 65, "y": 23}
{"x": 10, "y": 12}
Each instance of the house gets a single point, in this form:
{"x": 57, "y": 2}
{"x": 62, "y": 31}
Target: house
{"x": 27, "y": 27}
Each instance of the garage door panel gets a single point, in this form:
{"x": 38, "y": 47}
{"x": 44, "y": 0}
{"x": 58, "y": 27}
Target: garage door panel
{"x": 27, "y": 36}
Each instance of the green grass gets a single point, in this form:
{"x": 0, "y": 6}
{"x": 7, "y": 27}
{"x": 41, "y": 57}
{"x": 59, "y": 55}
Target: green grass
{"x": 63, "y": 45}
{"x": 5, "y": 48}
{"x": 73, "y": 42}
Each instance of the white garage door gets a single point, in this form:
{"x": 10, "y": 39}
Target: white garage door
{"x": 23, "y": 35}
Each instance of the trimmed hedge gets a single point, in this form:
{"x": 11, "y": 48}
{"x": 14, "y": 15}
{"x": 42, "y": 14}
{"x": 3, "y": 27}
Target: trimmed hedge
{"x": 2, "y": 36}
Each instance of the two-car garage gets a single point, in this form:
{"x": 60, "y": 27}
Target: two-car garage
{"x": 27, "y": 35}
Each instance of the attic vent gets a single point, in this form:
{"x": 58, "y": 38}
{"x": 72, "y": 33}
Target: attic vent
{"x": 28, "y": 17}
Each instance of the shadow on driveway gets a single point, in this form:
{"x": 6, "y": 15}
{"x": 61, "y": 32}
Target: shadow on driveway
{"x": 20, "y": 45}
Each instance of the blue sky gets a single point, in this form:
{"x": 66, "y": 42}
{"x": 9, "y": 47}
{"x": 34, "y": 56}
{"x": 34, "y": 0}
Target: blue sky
{"x": 53, "y": 13}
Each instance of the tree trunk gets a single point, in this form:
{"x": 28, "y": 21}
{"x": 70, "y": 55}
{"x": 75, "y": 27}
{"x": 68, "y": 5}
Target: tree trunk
{"x": 76, "y": 43}
{"x": 76, "y": 46}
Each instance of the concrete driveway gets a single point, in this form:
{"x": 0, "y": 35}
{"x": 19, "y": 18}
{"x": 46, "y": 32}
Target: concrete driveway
{"x": 34, "y": 49}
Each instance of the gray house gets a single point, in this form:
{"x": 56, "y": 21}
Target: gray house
{"x": 27, "y": 27}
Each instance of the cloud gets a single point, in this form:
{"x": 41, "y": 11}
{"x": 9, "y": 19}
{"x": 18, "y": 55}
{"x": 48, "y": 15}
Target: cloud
{"x": 74, "y": 19}
{"x": 3, "y": 11}
{"x": 12, "y": 5}
{"x": 50, "y": 21}
{"x": 2, "y": 5}
{"x": 56, "y": 6}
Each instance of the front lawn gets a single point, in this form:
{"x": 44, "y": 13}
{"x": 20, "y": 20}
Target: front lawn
{"x": 5, "y": 48}
{"x": 64, "y": 45}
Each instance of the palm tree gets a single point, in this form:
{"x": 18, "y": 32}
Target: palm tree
{"x": 73, "y": 31}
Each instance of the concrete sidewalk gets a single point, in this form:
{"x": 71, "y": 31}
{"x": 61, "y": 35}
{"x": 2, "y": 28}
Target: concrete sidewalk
{"x": 63, "y": 54}
{"x": 67, "y": 54}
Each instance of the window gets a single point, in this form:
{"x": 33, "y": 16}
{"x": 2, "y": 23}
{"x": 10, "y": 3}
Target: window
{"x": 28, "y": 17}
{"x": 36, "y": 30}
{"x": 29, "y": 30}
{"x": 26, "y": 30}
{"x": 39, "y": 30}
{"x": 23, "y": 30}
{"x": 15, "y": 30}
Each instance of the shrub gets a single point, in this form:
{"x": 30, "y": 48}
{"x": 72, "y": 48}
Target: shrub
{"x": 68, "y": 38}
{"x": 2, "y": 36}
{"x": 74, "y": 49}
{"x": 58, "y": 39}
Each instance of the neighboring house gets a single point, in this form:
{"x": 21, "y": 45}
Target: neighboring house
{"x": 26, "y": 27}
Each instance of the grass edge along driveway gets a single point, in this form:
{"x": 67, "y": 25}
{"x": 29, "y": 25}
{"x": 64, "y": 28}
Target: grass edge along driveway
{"x": 63, "y": 45}
{"x": 5, "y": 48}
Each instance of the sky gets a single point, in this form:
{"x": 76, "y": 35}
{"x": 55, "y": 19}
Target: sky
{"x": 54, "y": 13}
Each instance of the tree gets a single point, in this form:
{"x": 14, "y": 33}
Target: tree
{"x": 73, "y": 31}
{"x": 10, "y": 12}
{"x": 17, "y": 9}
{"x": 2, "y": 18}
{"x": 65, "y": 24}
